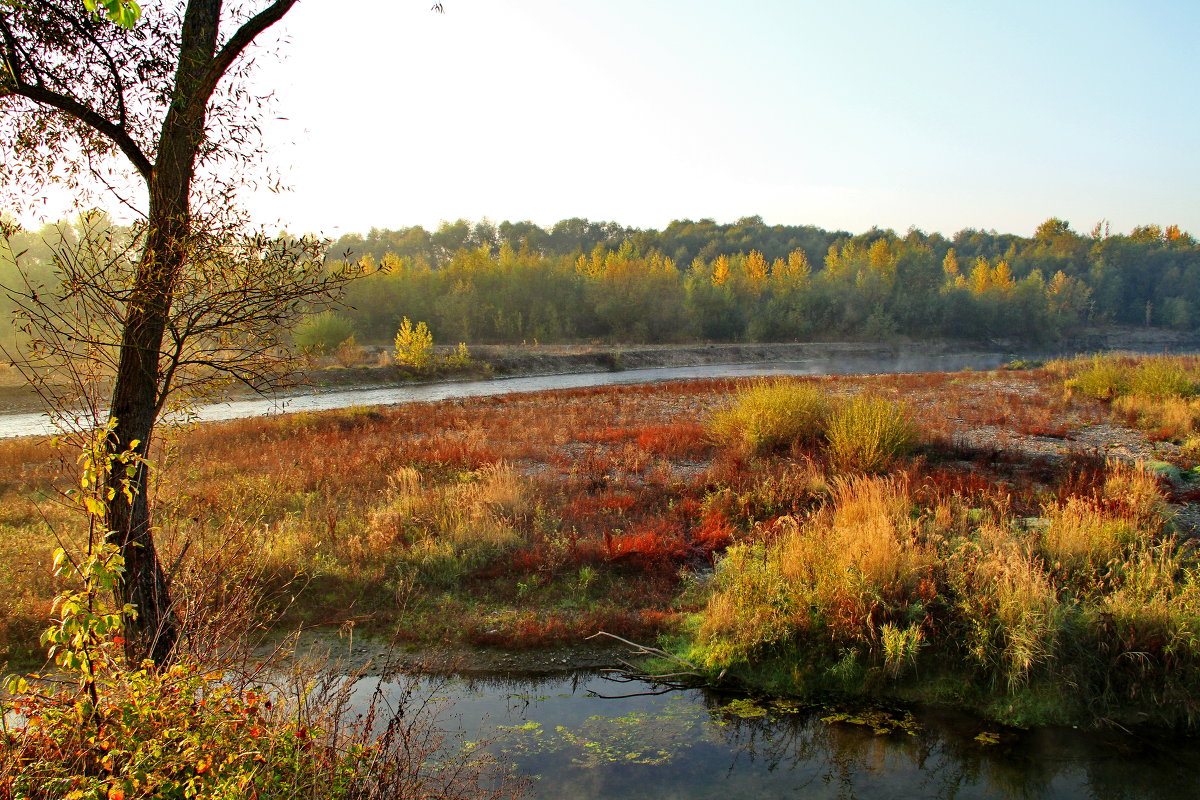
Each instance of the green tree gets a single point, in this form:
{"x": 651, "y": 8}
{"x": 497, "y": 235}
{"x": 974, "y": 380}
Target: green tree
{"x": 414, "y": 346}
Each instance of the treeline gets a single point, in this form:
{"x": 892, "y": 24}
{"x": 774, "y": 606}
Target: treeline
{"x": 744, "y": 281}
{"x": 748, "y": 281}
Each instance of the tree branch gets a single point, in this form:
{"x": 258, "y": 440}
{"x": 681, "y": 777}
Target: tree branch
{"x": 236, "y": 44}
{"x": 69, "y": 105}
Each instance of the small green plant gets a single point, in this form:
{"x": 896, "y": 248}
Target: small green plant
{"x": 461, "y": 357}
{"x": 414, "y": 346}
{"x": 770, "y": 414}
{"x": 900, "y": 646}
{"x": 869, "y": 433}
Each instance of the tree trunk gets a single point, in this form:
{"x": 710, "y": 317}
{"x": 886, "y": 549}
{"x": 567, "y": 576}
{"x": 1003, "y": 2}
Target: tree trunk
{"x": 136, "y": 391}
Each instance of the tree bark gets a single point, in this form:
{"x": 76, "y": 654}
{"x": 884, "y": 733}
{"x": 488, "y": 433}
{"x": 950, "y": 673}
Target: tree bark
{"x": 136, "y": 390}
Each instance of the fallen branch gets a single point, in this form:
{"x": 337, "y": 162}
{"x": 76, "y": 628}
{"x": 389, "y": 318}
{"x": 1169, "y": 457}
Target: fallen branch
{"x": 691, "y": 670}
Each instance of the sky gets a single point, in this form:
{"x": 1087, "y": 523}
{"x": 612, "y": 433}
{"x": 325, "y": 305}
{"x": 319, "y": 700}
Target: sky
{"x": 845, "y": 115}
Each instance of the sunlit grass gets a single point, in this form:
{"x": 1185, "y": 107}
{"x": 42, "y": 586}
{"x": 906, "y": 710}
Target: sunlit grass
{"x": 771, "y": 414}
{"x": 869, "y": 433}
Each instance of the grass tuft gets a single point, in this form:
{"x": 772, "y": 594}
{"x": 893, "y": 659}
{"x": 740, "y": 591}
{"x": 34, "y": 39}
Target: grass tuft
{"x": 769, "y": 415}
{"x": 869, "y": 434}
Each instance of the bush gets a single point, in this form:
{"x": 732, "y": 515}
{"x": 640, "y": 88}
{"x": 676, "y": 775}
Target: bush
{"x": 322, "y": 333}
{"x": 770, "y": 414}
{"x": 868, "y": 434}
{"x": 1161, "y": 377}
{"x": 414, "y": 346}
{"x": 1104, "y": 379}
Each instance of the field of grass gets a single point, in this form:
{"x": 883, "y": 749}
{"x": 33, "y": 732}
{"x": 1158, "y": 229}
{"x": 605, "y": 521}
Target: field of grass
{"x": 982, "y": 539}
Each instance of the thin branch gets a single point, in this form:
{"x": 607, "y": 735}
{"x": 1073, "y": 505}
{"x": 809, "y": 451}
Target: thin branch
{"x": 646, "y": 650}
{"x": 118, "y": 84}
{"x": 234, "y": 47}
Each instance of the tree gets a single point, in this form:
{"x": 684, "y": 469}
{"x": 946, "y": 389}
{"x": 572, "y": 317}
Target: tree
{"x": 166, "y": 96}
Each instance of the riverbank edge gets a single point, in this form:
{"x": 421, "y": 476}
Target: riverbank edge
{"x": 538, "y": 360}
{"x": 510, "y": 361}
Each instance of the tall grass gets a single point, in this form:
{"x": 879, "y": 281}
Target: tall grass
{"x": 869, "y": 433}
{"x": 822, "y": 576}
{"x": 770, "y": 414}
{"x": 1095, "y": 605}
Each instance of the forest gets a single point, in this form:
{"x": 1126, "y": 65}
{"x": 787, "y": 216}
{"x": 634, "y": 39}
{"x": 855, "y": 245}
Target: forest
{"x": 750, "y": 281}
{"x": 744, "y": 281}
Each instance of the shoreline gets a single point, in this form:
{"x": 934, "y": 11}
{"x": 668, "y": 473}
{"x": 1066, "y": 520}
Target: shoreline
{"x": 499, "y": 361}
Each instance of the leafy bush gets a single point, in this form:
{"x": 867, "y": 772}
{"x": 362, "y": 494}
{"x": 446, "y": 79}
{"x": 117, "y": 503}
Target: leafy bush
{"x": 1161, "y": 377}
{"x": 323, "y": 332}
{"x": 770, "y": 414}
{"x": 868, "y": 433}
{"x": 1104, "y": 378}
{"x": 414, "y": 346}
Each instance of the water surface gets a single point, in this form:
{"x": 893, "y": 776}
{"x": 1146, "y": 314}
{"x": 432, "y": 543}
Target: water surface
{"x": 693, "y": 744}
{"x": 40, "y": 425}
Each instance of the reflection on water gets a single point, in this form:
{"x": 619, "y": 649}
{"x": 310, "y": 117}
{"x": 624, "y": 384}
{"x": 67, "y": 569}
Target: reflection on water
{"x": 38, "y": 424}
{"x": 692, "y": 744}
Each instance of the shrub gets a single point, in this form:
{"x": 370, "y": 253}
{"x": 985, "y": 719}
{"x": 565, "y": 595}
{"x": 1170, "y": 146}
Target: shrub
{"x": 461, "y": 357}
{"x": 1104, "y": 379}
{"x": 349, "y": 354}
{"x": 323, "y": 332}
{"x": 771, "y": 414}
{"x": 868, "y": 433}
{"x": 1161, "y": 377}
{"x": 414, "y": 346}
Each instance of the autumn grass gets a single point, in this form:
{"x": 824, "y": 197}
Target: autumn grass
{"x": 874, "y": 552}
{"x": 768, "y": 415}
{"x": 1157, "y": 393}
{"x": 869, "y": 433}
{"x": 872, "y": 594}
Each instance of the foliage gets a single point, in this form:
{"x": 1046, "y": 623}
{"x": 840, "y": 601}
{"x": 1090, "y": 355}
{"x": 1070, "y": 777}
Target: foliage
{"x": 414, "y": 346}
{"x": 868, "y": 433}
{"x": 124, "y": 13}
{"x": 323, "y": 332}
{"x": 770, "y": 414}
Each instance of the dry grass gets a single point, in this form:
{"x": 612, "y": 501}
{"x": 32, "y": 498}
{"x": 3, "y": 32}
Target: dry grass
{"x": 768, "y": 415}
{"x": 524, "y": 520}
{"x": 869, "y": 433}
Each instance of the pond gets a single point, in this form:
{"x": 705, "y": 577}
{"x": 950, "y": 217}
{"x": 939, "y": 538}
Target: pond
{"x": 40, "y": 425}
{"x": 582, "y": 736}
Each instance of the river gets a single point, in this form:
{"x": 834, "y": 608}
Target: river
{"x": 574, "y": 742}
{"x": 26, "y": 424}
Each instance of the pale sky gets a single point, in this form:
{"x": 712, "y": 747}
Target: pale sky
{"x": 939, "y": 115}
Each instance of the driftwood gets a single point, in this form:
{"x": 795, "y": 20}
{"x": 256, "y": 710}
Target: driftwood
{"x": 629, "y": 672}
